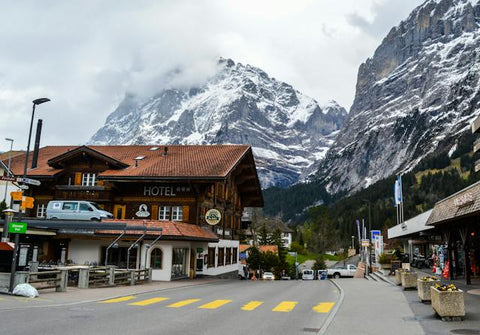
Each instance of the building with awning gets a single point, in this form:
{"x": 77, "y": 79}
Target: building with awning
{"x": 457, "y": 218}
{"x": 173, "y": 187}
{"x": 415, "y": 234}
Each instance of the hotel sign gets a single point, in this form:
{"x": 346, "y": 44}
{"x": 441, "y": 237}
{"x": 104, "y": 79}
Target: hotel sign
{"x": 164, "y": 191}
{"x": 213, "y": 216}
{"x": 464, "y": 200}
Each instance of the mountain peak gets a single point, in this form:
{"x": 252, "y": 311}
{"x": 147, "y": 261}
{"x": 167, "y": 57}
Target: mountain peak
{"x": 239, "y": 104}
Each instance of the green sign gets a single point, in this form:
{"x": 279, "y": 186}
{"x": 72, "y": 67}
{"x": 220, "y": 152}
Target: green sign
{"x": 17, "y": 227}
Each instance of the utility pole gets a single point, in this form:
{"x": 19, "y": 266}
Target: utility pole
{"x": 9, "y": 174}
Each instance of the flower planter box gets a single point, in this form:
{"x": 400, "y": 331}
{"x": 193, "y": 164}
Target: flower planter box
{"x": 424, "y": 289}
{"x": 398, "y": 277}
{"x": 409, "y": 280}
{"x": 449, "y": 305}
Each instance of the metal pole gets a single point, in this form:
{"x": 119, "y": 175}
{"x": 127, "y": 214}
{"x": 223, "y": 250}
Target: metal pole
{"x": 8, "y": 172}
{"x": 128, "y": 250}
{"x": 14, "y": 263}
{"x": 8, "y": 218}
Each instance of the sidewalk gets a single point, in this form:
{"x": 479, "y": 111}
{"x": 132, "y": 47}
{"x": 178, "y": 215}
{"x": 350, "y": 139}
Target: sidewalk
{"x": 75, "y": 295}
{"x": 371, "y": 307}
{"x": 431, "y": 323}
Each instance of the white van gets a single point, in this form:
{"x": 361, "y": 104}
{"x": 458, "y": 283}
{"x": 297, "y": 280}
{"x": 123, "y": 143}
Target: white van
{"x": 308, "y": 274}
{"x": 76, "y": 210}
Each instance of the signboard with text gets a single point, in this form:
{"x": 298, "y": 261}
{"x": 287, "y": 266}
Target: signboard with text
{"x": 17, "y": 227}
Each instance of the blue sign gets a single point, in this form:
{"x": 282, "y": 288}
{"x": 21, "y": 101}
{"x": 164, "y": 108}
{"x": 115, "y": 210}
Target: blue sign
{"x": 375, "y": 233}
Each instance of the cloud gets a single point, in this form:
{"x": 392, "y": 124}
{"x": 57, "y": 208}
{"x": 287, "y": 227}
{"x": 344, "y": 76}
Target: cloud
{"x": 85, "y": 55}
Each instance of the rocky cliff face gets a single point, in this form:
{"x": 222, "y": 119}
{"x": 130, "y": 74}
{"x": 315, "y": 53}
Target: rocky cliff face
{"x": 417, "y": 93}
{"x": 241, "y": 104}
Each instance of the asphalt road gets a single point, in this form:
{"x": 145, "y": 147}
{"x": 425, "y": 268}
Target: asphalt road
{"x": 227, "y": 307}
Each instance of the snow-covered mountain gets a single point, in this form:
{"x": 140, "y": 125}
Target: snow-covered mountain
{"x": 240, "y": 104}
{"x": 418, "y": 92}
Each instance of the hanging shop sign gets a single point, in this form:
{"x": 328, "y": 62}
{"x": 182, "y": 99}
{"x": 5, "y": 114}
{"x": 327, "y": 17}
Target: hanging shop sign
{"x": 213, "y": 216}
{"x": 143, "y": 211}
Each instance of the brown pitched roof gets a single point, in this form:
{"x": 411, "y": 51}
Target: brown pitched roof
{"x": 170, "y": 230}
{"x": 261, "y": 248}
{"x": 214, "y": 161}
{"x": 462, "y": 204}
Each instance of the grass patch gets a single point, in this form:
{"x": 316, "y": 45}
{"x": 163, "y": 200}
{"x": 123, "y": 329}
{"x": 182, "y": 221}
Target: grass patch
{"x": 454, "y": 165}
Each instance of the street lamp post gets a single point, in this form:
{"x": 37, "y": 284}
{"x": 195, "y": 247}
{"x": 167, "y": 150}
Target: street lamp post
{"x": 17, "y": 239}
{"x": 9, "y": 164}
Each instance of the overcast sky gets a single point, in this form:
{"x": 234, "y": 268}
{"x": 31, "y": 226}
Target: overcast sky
{"x": 84, "y": 55}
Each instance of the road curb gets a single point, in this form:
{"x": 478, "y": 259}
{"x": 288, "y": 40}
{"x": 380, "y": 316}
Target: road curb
{"x": 332, "y": 314}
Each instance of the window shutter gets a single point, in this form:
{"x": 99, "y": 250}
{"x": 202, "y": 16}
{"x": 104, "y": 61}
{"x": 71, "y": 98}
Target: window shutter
{"x": 100, "y": 182}
{"x": 154, "y": 212}
{"x": 78, "y": 178}
{"x": 186, "y": 210}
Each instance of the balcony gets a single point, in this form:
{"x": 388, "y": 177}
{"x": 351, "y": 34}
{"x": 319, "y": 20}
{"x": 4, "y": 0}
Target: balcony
{"x": 477, "y": 165}
{"x": 476, "y": 145}
{"x": 79, "y": 188}
{"x": 476, "y": 125}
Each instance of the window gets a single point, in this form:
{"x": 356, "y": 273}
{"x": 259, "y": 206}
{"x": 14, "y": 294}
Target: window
{"x": 228, "y": 256}
{"x": 70, "y": 206}
{"x": 164, "y": 213}
{"x": 211, "y": 257}
{"x": 221, "y": 256}
{"x": 156, "y": 258}
{"x": 85, "y": 207}
{"x": 41, "y": 210}
{"x": 177, "y": 213}
{"x": 179, "y": 262}
{"x": 89, "y": 179}
{"x": 234, "y": 254}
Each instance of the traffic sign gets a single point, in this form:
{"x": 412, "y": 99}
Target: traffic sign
{"x": 374, "y": 233}
{"x": 23, "y": 187}
{"x": 292, "y": 253}
{"x": 16, "y": 196}
{"x": 7, "y": 178}
{"x": 30, "y": 181}
{"x": 365, "y": 243}
{"x": 27, "y": 202}
{"x": 17, "y": 227}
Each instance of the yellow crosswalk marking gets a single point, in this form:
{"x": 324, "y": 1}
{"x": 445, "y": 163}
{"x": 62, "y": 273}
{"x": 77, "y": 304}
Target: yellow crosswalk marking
{"x": 323, "y": 307}
{"x": 110, "y": 301}
{"x": 251, "y": 305}
{"x": 148, "y": 301}
{"x": 183, "y": 303}
{"x": 215, "y": 304}
{"x": 285, "y": 306}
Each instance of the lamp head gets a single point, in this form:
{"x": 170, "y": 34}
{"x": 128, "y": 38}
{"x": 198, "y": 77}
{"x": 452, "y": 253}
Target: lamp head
{"x": 8, "y": 139}
{"x": 40, "y": 101}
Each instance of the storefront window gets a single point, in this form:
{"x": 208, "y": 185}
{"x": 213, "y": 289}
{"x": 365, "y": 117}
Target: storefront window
{"x": 179, "y": 263}
{"x": 156, "y": 258}
{"x": 221, "y": 256}
{"x": 234, "y": 254}
{"x": 211, "y": 257}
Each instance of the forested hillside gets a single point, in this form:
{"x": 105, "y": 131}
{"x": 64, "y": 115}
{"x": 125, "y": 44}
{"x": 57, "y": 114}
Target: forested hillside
{"x": 436, "y": 177}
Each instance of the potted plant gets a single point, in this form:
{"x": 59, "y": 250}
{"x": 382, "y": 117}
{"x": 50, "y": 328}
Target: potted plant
{"x": 448, "y": 302}
{"x": 385, "y": 260}
{"x": 423, "y": 286}
{"x": 409, "y": 280}
{"x": 398, "y": 276}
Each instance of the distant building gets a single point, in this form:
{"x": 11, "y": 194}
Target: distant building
{"x": 271, "y": 225}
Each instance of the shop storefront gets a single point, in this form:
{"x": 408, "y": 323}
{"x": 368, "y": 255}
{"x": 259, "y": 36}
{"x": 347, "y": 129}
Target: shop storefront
{"x": 457, "y": 218}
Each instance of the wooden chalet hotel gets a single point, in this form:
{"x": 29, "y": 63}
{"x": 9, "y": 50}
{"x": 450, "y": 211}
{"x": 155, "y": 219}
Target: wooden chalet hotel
{"x": 169, "y": 187}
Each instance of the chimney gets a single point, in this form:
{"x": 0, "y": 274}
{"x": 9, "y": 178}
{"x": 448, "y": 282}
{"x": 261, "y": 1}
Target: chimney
{"x": 37, "y": 144}
{"x": 165, "y": 151}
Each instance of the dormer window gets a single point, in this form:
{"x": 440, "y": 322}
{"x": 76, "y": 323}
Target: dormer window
{"x": 89, "y": 179}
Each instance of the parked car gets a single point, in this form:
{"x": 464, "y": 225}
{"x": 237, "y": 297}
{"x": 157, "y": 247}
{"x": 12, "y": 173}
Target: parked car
{"x": 76, "y": 210}
{"x": 342, "y": 271}
{"x": 268, "y": 276}
{"x": 308, "y": 274}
